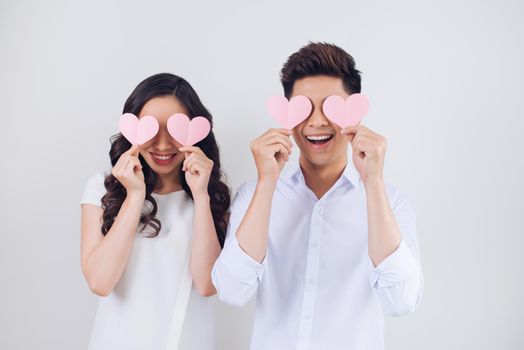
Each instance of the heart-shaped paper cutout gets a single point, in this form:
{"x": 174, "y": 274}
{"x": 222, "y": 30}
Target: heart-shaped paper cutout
{"x": 186, "y": 131}
{"x": 138, "y": 131}
{"x": 346, "y": 113}
{"x": 289, "y": 113}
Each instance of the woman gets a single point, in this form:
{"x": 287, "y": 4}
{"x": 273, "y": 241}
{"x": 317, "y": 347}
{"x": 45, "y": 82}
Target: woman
{"x": 152, "y": 229}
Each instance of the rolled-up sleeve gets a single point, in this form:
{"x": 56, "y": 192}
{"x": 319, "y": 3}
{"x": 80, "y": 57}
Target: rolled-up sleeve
{"x": 398, "y": 279}
{"x": 236, "y": 275}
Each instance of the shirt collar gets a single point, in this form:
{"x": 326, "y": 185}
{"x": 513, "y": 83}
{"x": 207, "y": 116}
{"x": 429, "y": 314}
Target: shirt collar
{"x": 292, "y": 171}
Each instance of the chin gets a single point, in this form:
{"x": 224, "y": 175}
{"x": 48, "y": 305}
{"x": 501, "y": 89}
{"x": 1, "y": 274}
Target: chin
{"x": 320, "y": 161}
{"x": 163, "y": 170}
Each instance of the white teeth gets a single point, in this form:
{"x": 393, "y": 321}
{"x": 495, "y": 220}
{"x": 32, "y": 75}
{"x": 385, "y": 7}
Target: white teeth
{"x": 318, "y": 138}
{"x": 162, "y": 157}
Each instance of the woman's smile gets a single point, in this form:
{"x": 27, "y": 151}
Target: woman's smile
{"x": 163, "y": 159}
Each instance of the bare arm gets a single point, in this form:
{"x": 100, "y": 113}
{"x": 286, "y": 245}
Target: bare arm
{"x": 104, "y": 258}
{"x": 252, "y": 233}
{"x": 205, "y": 246}
{"x": 369, "y": 150}
{"x": 271, "y": 151}
{"x": 383, "y": 232}
{"x": 396, "y": 276}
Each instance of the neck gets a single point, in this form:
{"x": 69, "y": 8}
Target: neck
{"x": 320, "y": 178}
{"x": 168, "y": 183}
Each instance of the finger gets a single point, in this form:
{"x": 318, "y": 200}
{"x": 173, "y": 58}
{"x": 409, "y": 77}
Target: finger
{"x": 374, "y": 141}
{"x": 275, "y": 148}
{"x": 364, "y": 146}
{"x": 203, "y": 165}
{"x": 191, "y": 158}
{"x": 199, "y": 156}
{"x": 120, "y": 168}
{"x": 133, "y": 151}
{"x": 282, "y": 131}
{"x": 285, "y": 156}
{"x": 282, "y": 147}
{"x": 363, "y": 131}
{"x": 277, "y": 138}
{"x": 191, "y": 149}
{"x": 366, "y": 138}
{"x": 282, "y": 155}
{"x": 269, "y": 132}
{"x": 135, "y": 164}
{"x": 122, "y": 160}
{"x": 132, "y": 166}
{"x": 196, "y": 168}
{"x": 351, "y": 132}
{"x": 187, "y": 164}
{"x": 350, "y": 129}
{"x": 283, "y": 140}
{"x": 193, "y": 167}
{"x": 272, "y": 135}
{"x": 125, "y": 165}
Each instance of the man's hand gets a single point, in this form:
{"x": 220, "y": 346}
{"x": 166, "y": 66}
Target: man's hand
{"x": 271, "y": 151}
{"x": 369, "y": 150}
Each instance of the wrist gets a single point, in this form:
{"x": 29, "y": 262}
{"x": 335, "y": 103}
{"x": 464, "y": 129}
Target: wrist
{"x": 374, "y": 183}
{"x": 270, "y": 178}
{"x": 136, "y": 195}
{"x": 201, "y": 197}
{"x": 266, "y": 184}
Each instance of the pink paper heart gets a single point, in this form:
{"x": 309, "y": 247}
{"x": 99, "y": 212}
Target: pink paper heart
{"x": 289, "y": 113}
{"x": 138, "y": 131}
{"x": 346, "y": 113}
{"x": 186, "y": 131}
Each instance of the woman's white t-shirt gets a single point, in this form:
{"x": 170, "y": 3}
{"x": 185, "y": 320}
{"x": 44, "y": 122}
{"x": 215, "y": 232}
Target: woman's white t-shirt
{"x": 139, "y": 311}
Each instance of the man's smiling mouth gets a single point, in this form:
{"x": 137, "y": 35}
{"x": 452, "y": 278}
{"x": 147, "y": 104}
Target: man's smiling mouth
{"x": 319, "y": 139}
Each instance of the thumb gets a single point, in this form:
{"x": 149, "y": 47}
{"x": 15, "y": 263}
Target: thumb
{"x": 134, "y": 150}
{"x": 350, "y": 132}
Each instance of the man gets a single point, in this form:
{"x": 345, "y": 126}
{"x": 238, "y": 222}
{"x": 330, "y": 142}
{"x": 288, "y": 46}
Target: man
{"x": 326, "y": 243}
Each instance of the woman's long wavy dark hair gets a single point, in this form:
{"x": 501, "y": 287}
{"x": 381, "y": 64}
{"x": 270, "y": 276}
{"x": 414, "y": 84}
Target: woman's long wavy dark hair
{"x": 165, "y": 84}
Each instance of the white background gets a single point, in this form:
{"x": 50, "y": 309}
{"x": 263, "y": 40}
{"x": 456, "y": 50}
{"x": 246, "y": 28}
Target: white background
{"x": 445, "y": 82}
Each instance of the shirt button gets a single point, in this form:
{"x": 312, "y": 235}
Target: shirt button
{"x": 314, "y": 244}
{"x": 311, "y": 281}
{"x": 307, "y": 317}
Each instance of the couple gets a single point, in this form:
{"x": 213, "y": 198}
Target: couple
{"x": 326, "y": 244}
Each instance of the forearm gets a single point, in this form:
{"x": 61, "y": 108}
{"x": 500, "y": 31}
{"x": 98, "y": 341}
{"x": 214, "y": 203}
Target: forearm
{"x": 107, "y": 261}
{"x": 252, "y": 233}
{"x": 383, "y": 233}
{"x": 205, "y": 247}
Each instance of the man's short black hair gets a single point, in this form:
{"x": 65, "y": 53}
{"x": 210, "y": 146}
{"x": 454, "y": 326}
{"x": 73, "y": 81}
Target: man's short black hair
{"x": 320, "y": 59}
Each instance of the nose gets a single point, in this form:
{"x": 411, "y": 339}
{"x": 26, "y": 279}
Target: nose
{"x": 317, "y": 118}
{"x": 163, "y": 140}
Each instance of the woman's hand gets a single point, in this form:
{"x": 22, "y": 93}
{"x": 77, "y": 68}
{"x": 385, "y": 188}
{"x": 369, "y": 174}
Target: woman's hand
{"x": 197, "y": 167}
{"x": 128, "y": 171}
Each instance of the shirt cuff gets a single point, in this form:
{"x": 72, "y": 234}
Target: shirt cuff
{"x": 396, "y": 268}
{"x": 239, "y": 264}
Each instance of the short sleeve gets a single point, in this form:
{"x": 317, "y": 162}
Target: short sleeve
{"x": 94, "y": 189}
